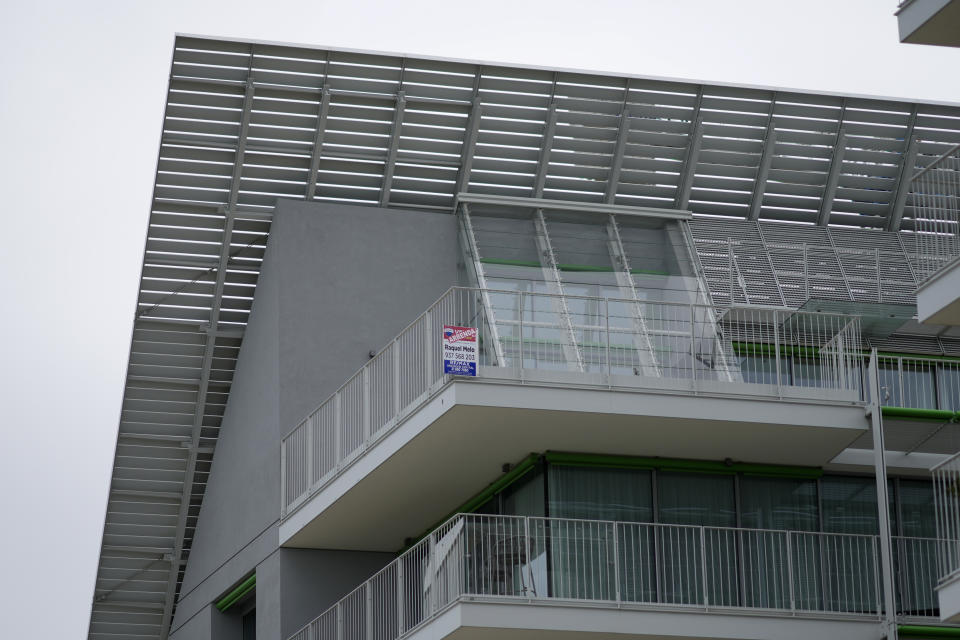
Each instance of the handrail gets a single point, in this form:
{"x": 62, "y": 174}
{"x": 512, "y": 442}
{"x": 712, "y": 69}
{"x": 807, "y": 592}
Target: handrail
{"x": 537, "y": 559}
{"x": 692, "y": 345}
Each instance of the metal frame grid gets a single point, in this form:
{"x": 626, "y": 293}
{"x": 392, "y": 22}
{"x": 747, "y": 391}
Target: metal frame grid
{"x": 247, "y": 123}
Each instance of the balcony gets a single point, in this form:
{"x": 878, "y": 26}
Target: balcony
{"x": 495, "y": 575}
{"x": 932, "y": 22}
{"x": 565, "y": 374}
{"x": 946, "y": 488}
{"x": 936, "y": 197}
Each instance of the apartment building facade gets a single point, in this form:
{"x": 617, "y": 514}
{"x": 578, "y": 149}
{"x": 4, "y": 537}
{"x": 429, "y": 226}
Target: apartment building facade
{"x": 698, "y": 367}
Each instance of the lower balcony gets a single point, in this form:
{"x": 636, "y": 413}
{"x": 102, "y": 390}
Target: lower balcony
{"x": 478, "y": 576}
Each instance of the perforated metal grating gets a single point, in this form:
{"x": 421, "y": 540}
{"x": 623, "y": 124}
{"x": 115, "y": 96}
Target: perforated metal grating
{"x": 247, "y": 123}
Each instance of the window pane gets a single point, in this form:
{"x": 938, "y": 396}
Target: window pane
{"x": 688, "y": 498}
{"x": 850, "y": 505}
{"x": 916, "y": 508}
{"x": 525, "y": 497}
{"x": 778, "y": 503}
{"x": 600, "y": 494}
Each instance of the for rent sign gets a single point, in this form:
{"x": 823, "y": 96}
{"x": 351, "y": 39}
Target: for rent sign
{"x": 459, "y": 350}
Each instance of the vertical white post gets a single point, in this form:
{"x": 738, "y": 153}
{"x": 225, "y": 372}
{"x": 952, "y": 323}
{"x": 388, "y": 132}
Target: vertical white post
{"x": 776, "y": 352}
{"x": 396, "y": 378}
{"x": 793, "y": 601}
{"x": 703, "y": 565}
{"x": 606, "y": 325}
{"x": 883, "y": 509}
{"x": 283, "y": 478}
{"x": 337, "y": 428}
{"x": 429, "y": 364}
{"x": 616, "y": 564}
{"x": 365, "y": 378}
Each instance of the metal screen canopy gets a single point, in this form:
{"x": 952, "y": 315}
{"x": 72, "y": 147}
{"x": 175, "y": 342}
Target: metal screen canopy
{"x": 247, "y": 123}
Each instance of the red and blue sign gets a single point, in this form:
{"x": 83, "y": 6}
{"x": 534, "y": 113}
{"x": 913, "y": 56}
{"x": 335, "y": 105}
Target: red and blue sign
{"x": 460, "y": 350}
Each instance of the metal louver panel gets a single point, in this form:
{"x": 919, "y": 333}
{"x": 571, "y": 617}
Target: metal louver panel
{"x": 248, "y": 123}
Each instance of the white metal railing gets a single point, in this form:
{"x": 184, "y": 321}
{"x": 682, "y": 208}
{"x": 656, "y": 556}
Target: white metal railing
{"x": 752, "y": 352}
{"x": 553, "y": 559}
{"x": 919, "y": 383}
{"x": 946, "y": 495}
{"x": 936, "y": 202}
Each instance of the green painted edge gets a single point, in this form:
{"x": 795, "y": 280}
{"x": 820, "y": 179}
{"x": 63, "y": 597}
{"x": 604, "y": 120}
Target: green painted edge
{"x": 760, "y": 348}
{"x": 241, "y": 590}
{"x": 938, "y": 415}
{"x": 922, "y": 631}
{"x": 670, "y": 464}
{"x": 568, "y": 267}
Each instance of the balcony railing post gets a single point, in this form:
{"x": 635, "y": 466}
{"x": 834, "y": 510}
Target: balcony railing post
{"x": 337, "y": 427}
{"x": 283, "y": 478}
{"x": 793, "y": 597}
{"x": 368, "y": 610}
{"x": 308, "y": 425}
{"x": 396, "y": 377}
{"x": 366, "y": 406}
{"x": 703, "y": 565}
{"x": 876, "y": 575}
{"x": 776, "y": 352}
{"x": 526, "y": 555}
{"x": 340, "y": 620}
{"x": 606, "y": 324}
{"x": 428, "y": 350}
{"x": 616, "y": 563}
{"x": 520, "y": 342}
{"x": 693, "y": 347}
{"x": 902, "y": 398}
{"x": 400, "y": 608}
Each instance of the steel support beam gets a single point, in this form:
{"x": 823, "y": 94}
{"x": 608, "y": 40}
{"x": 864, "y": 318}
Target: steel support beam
{"x": 470, "y": 245}
{"x": 766, "y": 159}
{"x": 229, "y": 213}
{"x": 621, "y": 269}
{"x": 322, "y": 113}
{"x": 682, "y": 200}
{"x": 616, "y": 163}
{"x": 907, "y": 166}
{"x": 572, "y": 205}
{"x": 551, "y": 275}
{"x": 549, "y": 128}
{"x": 888, "y": 580}
{"x": 470, "y": 135}
{"x": 833, "y": 177}
{"x": 392, "y": 150}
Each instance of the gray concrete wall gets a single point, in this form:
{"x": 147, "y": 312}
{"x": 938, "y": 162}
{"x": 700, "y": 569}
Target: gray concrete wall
{"x": 313, "y": 580}
{"x": 336, "y": 282}
{"x": 352, "y": 279}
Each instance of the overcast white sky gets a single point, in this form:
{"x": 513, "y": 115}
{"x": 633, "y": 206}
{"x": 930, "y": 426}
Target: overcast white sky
{"x": 81, "y": 101}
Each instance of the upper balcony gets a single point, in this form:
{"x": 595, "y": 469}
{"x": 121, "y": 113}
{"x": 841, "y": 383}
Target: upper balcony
{"x": 563, "y": 373}
{"x": 929, "y": 22}
{"x": 525, "y": 577}
{"x": 936, "y": 193}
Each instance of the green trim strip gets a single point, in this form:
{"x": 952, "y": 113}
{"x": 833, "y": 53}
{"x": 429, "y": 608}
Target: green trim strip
{"x": 241, "y": 590}
{"x": 938, "y": 415}
{"x": 921, "y": 631}
{"x": 668, "y": 464}
{"x": 764, "y": 349}
{"x": 568, "y": 267}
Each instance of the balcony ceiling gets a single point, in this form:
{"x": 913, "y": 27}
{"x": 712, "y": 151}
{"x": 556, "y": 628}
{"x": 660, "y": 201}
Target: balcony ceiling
{"x": 247, "y": 123}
